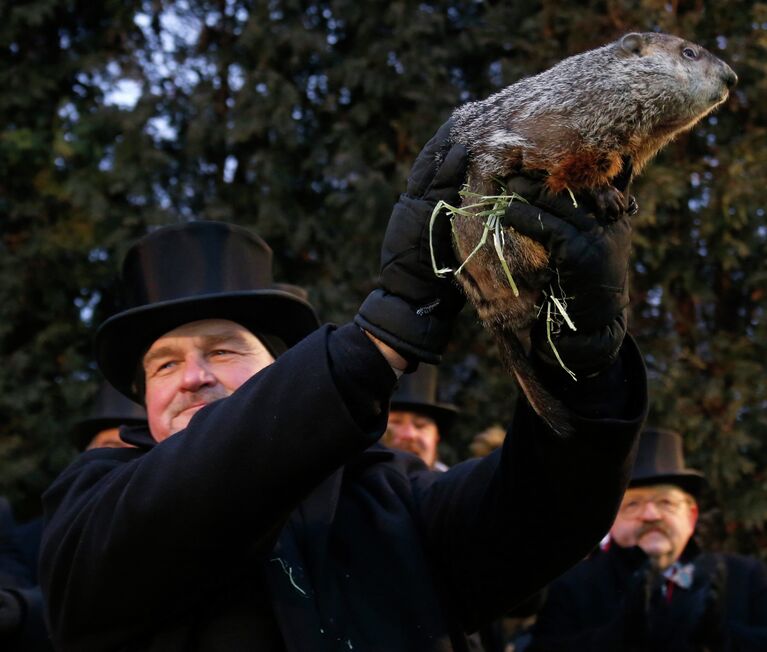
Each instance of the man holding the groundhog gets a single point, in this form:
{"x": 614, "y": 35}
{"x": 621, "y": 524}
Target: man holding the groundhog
{"x": 258, "y": 511}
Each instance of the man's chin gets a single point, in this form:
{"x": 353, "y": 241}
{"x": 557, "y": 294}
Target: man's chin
{"x": 655, "y": 543}
{"x": 182, "y": 419}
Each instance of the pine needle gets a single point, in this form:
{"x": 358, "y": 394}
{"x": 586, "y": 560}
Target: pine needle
{"x": 549, "y": 322}
{"x": 572, "y": 196}
{"x": 563, "y": 312}
{"x": 498, "y": 242}
{"x": 494, "y": 207}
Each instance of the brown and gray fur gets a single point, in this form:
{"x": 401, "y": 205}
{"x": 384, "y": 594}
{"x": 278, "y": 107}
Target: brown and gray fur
{"x": 576, "y": 124}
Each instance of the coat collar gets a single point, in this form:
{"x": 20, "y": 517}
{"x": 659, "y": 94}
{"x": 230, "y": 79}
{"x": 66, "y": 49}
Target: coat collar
{"x": 138, "y": 436}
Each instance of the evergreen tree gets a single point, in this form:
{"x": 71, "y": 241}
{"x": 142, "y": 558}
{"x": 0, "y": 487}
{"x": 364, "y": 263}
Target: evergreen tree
{"x": 301, "y": 119}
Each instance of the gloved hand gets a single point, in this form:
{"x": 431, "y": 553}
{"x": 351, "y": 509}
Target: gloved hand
{"x": 588, "y": 268}
{"x": 11, "y": 612}
{"x": 413, "y": 309}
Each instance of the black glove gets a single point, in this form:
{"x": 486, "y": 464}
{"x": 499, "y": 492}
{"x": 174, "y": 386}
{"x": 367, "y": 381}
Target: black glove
{"x": 413, "y": 309}
{"x": 588, "y": 268}
{"x": 11, "y": 612}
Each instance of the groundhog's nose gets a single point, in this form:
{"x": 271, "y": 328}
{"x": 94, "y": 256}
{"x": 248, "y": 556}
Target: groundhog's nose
{"x": 730, "y": 78}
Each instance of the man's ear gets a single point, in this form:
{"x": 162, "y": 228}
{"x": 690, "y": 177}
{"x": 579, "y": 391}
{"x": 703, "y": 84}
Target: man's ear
{"x": 694, "y": 512}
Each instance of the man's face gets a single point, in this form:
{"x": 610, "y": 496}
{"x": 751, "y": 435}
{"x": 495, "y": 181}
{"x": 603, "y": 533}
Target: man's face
{"x": 413, "y": 432}
{"x": 660, "y": 519}
{"x": 196, "y": 364}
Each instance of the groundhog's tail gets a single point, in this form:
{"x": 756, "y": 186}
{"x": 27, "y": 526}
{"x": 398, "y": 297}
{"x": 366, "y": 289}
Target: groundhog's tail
{"x": 514, "y": 358}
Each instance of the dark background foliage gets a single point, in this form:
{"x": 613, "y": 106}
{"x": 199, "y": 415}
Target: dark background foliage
{"x": 301, "y": 119}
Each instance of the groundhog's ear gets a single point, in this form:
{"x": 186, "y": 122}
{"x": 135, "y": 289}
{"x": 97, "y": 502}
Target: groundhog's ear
{"x": 632, "y": 43}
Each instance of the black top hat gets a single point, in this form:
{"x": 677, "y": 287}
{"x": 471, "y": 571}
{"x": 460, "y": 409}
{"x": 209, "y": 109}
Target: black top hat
{"x": 198, "y": 270}
{"x": 110, "y": 410}
{"x": 660, "y": 460}
{"x": 417, "y": 392}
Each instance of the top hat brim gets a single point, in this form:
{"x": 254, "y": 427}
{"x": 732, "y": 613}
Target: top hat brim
{"x": 122, "y": 340}
{"x": 690, "y": 481}
{"x": 444, "y": 414}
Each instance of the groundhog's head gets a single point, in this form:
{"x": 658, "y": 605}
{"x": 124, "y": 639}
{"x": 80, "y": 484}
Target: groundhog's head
{"x": 677, "y": 82}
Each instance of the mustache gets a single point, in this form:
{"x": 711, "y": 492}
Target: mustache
{"x": 205, "y": 395}
{"x": 651, "y": 527}
{"x": 410, "y": 445}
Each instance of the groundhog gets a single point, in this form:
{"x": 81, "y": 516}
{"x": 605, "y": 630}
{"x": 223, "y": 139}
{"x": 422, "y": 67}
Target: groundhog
{"x": 582, "y": 125}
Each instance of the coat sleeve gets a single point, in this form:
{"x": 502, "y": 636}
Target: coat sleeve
{"x": 13, "y": 569}
{"x": 32, "y": 636}
{"x": 505, "y": 526}
{"x": 134, "y": 537}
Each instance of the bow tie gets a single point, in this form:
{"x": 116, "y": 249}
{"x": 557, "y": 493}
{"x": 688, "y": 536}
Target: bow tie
{"x": 680, "y": 574}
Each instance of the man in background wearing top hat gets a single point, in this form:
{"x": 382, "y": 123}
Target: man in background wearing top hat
{"x": 650, "y": 587}
{"x": 22, "y": 627}
{"x": 418, "y": 420}
{"x": 258, "y": 512}
{"x": 111, "y": 410}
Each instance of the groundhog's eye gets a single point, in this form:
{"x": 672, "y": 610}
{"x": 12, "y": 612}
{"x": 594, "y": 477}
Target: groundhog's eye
{"x": 689, "y": 53}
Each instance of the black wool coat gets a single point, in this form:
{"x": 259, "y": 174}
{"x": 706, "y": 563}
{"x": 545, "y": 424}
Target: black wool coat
{"x": 725, "y": 609}
{"x": 18, "y": 576}
{"x": 275, "y": 522}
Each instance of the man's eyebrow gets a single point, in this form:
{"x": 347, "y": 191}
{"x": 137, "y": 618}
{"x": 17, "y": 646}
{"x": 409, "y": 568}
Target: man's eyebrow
{"x": 223, "y": 338}
{"x": 162, "y": 352}
{"x": 214, "y": 339}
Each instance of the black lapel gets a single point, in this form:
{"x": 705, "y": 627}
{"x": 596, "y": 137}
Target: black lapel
{"x": 317, "y": 513}
{"x": 295, "y": 567}
{"x": 292, "y": 595}
{"x": 319, "y": 509}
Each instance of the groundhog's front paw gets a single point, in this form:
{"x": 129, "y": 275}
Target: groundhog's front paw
{"x": 633, "y": 207}
{"x": 610, "y": 203}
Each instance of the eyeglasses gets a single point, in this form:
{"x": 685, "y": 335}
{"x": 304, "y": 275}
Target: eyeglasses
{"x": 635, "y": 506}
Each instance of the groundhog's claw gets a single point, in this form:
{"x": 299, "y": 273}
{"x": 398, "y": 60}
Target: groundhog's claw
{"x": 610, "y": 203}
